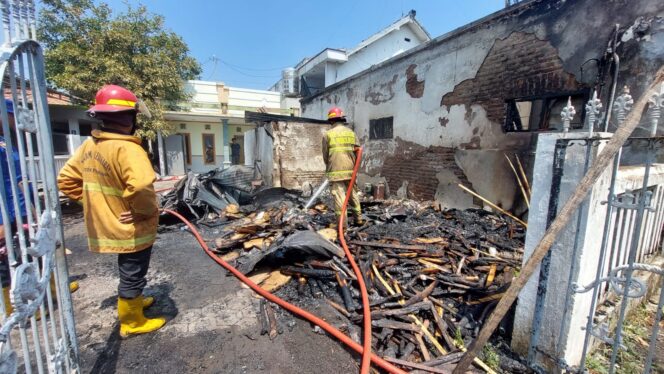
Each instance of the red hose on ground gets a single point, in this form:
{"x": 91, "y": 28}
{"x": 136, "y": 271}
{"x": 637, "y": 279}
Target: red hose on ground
{"x": 284, "y": 304}
{"x": 366, "y": 309}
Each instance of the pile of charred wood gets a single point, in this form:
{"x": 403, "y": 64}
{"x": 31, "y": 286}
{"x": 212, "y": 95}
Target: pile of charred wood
{"x": 433, "y": 276}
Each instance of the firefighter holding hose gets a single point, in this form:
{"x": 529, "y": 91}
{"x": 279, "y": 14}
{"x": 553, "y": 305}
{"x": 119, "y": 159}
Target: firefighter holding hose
{"x": 111, "y": 175}
{"x": 339, "y": 155}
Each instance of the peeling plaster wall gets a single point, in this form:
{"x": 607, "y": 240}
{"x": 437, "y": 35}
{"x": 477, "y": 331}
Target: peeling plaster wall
{"x": 297, "y": 154}
{"x": 451, "y": 91}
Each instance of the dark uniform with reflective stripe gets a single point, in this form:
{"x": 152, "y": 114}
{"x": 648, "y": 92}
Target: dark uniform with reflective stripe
{"x": 339, "y": 156}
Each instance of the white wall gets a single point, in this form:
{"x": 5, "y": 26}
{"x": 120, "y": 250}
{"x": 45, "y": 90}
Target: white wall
{"x": 387, "y": 47}
{"x": 196, "y": 131}
{"x": 203, "y": 92}
{"x": 291, "y": 103}
{"x": 206, "y": 95}
{"x": 243, "y": 97}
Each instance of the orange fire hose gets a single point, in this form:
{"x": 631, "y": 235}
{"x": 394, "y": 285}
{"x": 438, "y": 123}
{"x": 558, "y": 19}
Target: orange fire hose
{"x": 366, "y": 309}
{"x": 286, "y": 305}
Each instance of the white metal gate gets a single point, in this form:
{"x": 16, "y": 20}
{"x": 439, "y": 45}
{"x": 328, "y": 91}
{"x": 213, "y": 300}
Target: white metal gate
{"x": 39, "y": 333}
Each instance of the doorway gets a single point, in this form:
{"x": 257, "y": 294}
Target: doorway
{"x": 237, "y": 154}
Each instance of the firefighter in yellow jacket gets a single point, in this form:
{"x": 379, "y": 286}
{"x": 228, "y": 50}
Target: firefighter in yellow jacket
{"x": 339, "y": 155}
{"x": 111, "y": 175}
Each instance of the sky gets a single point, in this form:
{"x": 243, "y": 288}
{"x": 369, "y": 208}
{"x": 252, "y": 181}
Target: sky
{"x": 246, "y": 43}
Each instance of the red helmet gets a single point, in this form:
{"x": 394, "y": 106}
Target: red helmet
{"x": 112, "y": 98}
{"x": 335, "y": 113}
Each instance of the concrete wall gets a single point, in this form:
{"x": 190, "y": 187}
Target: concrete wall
{"x": 196, "y": 131}
{"x": 589, "y": 229}
{"x": 208, "y": 97}
{"x": 247, "y": 98}
{"x": 203, "y": 92}
{"x": 578, "y": 268}
{"x": 297, "y": 154}
{"x": 259, "y": 149}
{"x": 387, "y": 47}
{"x": 292, "y": 103}
{"x": 451, "y": 92}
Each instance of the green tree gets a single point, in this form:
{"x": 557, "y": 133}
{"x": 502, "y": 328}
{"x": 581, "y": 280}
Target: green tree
{"x": 87, "y": 45}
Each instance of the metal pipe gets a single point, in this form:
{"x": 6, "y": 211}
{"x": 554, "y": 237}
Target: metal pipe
{"x": 160, "y": 150}
{"x": 632, "y": 256}
{"x": 655, "y": 330}
{"x": 616, "y": 68}
{"x": 316, "y": 194}
{"x": 52, "y": 202}
{"x": 602, "y": 256}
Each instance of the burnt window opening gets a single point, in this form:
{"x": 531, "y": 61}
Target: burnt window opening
{"x": 542, "y": 113}
{"x": 85, "y": 129}
{"x": 381, "y": 128}
{"x": 60, "y": 136}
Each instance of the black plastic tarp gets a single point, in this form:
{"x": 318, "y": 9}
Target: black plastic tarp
{"x": 297, "y": 247}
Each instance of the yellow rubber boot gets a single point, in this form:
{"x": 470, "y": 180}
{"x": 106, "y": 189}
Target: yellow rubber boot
{"x": 8, "y": 303}
{"x": 73, "y": 287}
{"x": 147, "y": 301}
{"x": 132, "y": 320}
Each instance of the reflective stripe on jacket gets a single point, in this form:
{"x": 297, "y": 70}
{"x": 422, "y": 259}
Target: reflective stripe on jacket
{"x": 111, "y": 173}
{"x": 338, "y": 152}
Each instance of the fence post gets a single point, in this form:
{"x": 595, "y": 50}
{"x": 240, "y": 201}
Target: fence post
{"x": 546, "y": 328}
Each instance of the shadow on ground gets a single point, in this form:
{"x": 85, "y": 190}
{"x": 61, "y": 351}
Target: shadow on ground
{"x": 212, "y": 325}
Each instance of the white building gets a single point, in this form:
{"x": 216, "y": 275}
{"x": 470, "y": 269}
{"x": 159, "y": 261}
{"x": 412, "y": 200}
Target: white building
{"x": 331, "y": 65}
{"x": 206, "y": 125}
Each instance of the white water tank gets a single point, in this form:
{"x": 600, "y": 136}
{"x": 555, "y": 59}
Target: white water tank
{"x": 289, "y": 82}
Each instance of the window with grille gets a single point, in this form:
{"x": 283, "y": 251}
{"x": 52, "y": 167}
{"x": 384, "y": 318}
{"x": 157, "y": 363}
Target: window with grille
{"x": 542, "y": 113}
{"x": 381, "y": 128}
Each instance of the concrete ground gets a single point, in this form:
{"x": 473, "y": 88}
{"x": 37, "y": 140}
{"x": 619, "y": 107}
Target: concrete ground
{"x": 212, "y": 327}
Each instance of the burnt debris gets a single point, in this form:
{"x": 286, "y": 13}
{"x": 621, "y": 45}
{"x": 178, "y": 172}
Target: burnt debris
{"x": 433, "y": 276}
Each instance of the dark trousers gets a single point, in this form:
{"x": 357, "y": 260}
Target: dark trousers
{"x": 133, "y": 267}
{"x": 5, "y": 274}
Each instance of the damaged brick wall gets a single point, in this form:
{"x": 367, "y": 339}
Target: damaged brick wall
{"x": 414, "y": 86}
{"x": 420, "y": 169}
{"x": 520, "y": 65}
{"x": 453, "y": 91}
{"x": 297, "y": 154}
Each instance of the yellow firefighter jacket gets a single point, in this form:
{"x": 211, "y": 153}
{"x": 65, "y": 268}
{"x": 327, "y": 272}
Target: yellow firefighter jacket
{"x": 338, "y": 146}
{"x": 110, "y": 174}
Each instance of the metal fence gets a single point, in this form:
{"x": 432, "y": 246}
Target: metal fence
{"x": 630, "y": 239}
{"x": 632, "y": 235}
{"x": 621, "y": 226}
{"x": 37, "y": 332}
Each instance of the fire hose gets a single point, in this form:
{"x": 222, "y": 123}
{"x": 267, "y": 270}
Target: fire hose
{"x": 362, "y": 349}
{"x": 366, "y": 309}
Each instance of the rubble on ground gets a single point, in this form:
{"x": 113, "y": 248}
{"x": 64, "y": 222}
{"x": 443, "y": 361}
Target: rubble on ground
{"x": 211, "y": 192}
{"x": 433, "y": 276}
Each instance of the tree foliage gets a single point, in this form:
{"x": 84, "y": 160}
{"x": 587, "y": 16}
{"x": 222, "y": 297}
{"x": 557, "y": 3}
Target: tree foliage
{"x": 87, "y": 45}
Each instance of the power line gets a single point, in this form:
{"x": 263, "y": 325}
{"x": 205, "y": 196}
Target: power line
{"x": 247, "y": 74}
{"x": 252, "y": 69}
{"x": 213, "y": 59}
